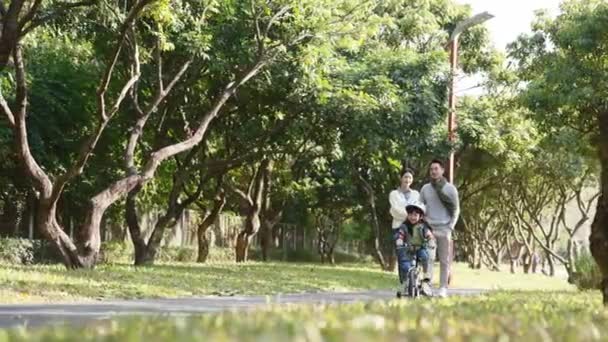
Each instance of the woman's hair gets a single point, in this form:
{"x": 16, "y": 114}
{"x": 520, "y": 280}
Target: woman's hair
{"x": 407, "y": 170}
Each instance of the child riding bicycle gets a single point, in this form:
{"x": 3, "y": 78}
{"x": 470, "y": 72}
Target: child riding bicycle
{"x": 412, "y": 242}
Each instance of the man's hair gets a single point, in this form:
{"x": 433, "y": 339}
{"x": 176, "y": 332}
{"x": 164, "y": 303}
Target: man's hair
{"x": 436, "y": 161}
{"x": 407, "y": 170}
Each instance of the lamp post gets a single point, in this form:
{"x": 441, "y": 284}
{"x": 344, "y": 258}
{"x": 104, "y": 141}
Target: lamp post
{"x": 453, "y": 46}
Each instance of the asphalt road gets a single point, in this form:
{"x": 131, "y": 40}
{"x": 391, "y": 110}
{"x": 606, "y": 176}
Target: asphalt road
{"x": 35, "y": 315}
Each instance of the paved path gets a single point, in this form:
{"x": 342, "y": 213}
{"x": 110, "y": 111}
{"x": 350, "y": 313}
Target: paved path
{"x": 42, "y": 314}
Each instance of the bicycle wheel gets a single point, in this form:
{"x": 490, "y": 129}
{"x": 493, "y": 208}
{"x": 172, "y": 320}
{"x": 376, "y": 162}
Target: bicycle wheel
{"x": 412, "y": 286}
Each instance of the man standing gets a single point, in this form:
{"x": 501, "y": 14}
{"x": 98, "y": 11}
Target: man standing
{"x": 442, "y": 212}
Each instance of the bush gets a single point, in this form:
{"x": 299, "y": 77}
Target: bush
{"x": 113, "y": 252}
{"x": 17, "y": 251}
{"x": 310, "y": 256}
{"x": 25, "y": 252}
{"x": 181, "y": 254}
{"x": 587, "y": 274}
{"x": 221, "y": 254}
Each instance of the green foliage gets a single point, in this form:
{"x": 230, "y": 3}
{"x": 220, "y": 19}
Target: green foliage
{"x": 563, "y": 63}
{"x": 309, "y": 256}
{"x": 117, "y": 252}
{"x": 177, "y": 254}
{"x": 27, "y": 252}
{"x": 355, "y": 231}
{"x": 588, "y": 275}
{"x": 17, "y": 251}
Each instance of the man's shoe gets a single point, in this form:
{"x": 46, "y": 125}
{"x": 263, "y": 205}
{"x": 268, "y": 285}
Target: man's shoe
{"x": 443, "y": 292}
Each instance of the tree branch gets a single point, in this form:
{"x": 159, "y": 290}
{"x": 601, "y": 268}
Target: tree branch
{"x": 107, "y": 76}
{"x": 6, "y": 110}
{"x": 10, "y": 31}
{"x": 40, "y": 178}
{"x": 61, "y": 10}
{"x": 30, "y": 14}
{"x": 240, "y": 193}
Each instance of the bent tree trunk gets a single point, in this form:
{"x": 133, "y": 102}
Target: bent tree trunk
{"x": 253, "y": 203}
{"x": 146, "y": 252}
{"x": 242, "y": 244}
{"x": 210, "y": 217}
{"x": 252, "y": 226}
{"x": 51, "y": 187}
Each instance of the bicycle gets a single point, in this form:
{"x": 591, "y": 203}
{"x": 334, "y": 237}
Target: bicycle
{"x": 411, "y": 281}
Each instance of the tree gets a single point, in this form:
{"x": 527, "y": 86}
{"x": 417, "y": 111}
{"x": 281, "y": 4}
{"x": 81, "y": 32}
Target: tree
{"x": 494, "y": 140}
{"x": 328, "y": 226}
{"x": 268, "y": 30}
{"x": 50, "y": 189}
{"x": 563, "y": 62}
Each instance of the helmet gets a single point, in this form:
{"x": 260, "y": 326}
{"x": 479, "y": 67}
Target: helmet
{"x": 416, "y": 205}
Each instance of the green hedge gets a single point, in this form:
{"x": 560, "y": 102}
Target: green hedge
{"x": 25, "y": 252}
{"x": 587, "y": 274}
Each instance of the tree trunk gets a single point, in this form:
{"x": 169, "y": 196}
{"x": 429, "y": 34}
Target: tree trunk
{"x": 527, "y": 261}
{"x": 72, "y": 256}
{"x": 265, "y": 240}
{"x": 253, "y": 201}
{"x": 571, "y": 264}
{"x": 270, "y": 221}
{"x": 145, "y": 252}
{"x": 276, "y": 236}
{"x": 475, "y": 255}
{"x": 132, "y": 218}
{"x": 242, "y": 246}
{"x": 498, "y": 257}
{"x": 210, "y": 217}
{"x": 598, "y": 239}
{"x": 243, "y": 240}
{"x": 551, "y": 263}
{"x": 169, "y": 219}
{"x": 204, "y": 247}
{"x": 377, "y": 246}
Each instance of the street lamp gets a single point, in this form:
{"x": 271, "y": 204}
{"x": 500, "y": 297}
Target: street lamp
{"x": 453, "y": 45}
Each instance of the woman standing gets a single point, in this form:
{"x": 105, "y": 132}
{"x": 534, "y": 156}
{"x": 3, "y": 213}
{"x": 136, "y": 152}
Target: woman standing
{"x": 401, "y": 197}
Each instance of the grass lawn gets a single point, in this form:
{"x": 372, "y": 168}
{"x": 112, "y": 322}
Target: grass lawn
{"x": 29, "y": 284}
{"x": 500, "y": 316}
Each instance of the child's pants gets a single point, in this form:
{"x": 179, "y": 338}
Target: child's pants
{"x": 404, "y": 257}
